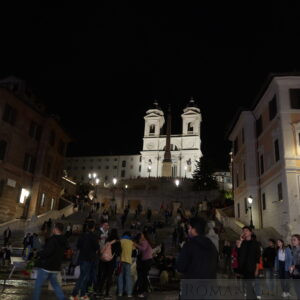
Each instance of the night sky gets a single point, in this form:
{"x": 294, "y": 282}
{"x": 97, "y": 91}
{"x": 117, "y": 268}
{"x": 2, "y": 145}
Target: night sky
{"x": 101, "y": 67}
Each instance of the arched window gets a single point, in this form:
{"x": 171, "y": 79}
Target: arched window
{"x": 190, "y": 127}
{"x": 152, "y": 129}
{"x": 172, "y": 148}
{"x": 3, "y": 145}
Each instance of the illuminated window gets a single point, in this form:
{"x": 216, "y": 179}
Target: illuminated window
{"x": 23, "y": 196}
{"x": 43, "y": 200}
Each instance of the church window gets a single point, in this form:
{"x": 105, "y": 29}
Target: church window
{"x": 152, "y": 129}
{"x": 106, "y": 178}
{"x": 107, "y": 167}
{"x": 115, "y": 159}
{"x": 124, "y": 163}
{"x": 123, "y": 173}
{"x": 190, "y": 127}
{"x": 99, "y": 167}
{"x": 140, "y": 158}
{"x": 140, "y": 168}
{"x": 115, "y": 167}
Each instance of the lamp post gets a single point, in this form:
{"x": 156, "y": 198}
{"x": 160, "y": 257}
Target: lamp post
{"x": 94, "y": 181}
{"x": 125, "y": 189}
{"x": 250, "y": 201}
{"x": 115, "y": 180}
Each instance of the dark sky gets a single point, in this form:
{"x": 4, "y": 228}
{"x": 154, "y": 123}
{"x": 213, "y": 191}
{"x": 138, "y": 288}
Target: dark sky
{"x": 101, "y": 67}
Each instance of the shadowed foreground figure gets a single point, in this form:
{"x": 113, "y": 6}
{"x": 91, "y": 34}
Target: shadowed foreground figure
{"x": 198, "y": 258}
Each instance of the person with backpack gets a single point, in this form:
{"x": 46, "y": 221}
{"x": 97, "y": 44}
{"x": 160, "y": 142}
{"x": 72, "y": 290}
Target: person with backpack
{"x": 108, "y": 256}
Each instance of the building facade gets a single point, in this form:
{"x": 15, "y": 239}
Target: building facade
{"x": 266, "y": 157}
{"x": 32, "y": 150}
{"x": 185, "y": 151}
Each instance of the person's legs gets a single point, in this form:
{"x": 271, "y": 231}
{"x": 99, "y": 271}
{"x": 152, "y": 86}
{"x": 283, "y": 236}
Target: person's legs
{"x": 127, "y": 274}
{"x": 41, "y": 277}
{"x": 249, "y": 279}
{"x": 80, "y": 280}
{"x": 103, "y": 277}
{"x": 281, "y": 275}
{"x": 296, "y": 283}
{"x": 121, "y": 280}
{"x": 286, "y": 281}
{"x": 110, "y": 271}
{"x": 56, "y": 287}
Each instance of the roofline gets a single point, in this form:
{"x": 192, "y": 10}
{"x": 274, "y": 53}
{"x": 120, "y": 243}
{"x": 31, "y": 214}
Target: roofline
{"x": 257, "y": 98}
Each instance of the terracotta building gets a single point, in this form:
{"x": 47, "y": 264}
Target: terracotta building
{"x": 32, "y": 150}
{"x": 266, "y": 157}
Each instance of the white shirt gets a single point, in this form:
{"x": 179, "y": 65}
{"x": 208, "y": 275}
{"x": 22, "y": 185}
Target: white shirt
{"x": 281, "y": 255}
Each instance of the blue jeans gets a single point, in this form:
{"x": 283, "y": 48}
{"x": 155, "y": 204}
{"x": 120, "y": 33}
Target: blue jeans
{"x": 269, "y": 274}
{"x": 42, "y": 276}
{"x": 125, "y": 275}
{"x": 86, "y": 268}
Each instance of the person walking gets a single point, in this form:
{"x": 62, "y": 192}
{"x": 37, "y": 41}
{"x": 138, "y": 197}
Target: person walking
{"x": 49, "y": 263}
{"x": 295, "y": 268}
{"x": 248, "y": 260}
{"x": 198, "y": 258}
{"x": 127, "y": 247}
{"x": 283, "y": 264}
{"x": 6, "y": 236}
{"x": 110, "y": 252}
{"x": 144, "y": 262}
{"x": 88, "y": 246}
{"x": 268, "y": 256}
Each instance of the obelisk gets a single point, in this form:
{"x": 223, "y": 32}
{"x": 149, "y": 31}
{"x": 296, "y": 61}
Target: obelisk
{"x": 167, "y": 161}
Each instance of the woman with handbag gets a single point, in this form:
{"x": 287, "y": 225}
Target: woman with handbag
{"x": 295, "y": 268}
{"x": 108, "y": 256}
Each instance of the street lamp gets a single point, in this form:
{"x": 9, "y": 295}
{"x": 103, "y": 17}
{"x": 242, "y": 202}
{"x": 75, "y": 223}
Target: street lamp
{"x": 124, "y": 190}
{"x": 250, "y": 201}
{"x": 177, "y": 182}
{"x": 149, "y": 170}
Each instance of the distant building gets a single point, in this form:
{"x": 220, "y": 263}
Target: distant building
{"x": 224, "y": 180}
{"x": 185, "y": 151}
{"x": 32, "y": 150}
{"x": 266, "y": 157}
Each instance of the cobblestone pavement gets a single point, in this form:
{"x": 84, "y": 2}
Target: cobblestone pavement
{"x": 22, "y": 290}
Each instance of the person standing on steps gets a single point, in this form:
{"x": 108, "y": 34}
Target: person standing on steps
{"x": 248, "y": 260}
{"x": 283, "y": 264}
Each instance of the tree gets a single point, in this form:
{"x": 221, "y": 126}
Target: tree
{"x": 203, "y": 175}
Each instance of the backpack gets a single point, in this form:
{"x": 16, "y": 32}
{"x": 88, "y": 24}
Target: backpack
{"x": 106, "y": 253}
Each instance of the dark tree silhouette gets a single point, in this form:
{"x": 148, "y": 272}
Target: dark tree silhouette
{"x": 203, "y": 175}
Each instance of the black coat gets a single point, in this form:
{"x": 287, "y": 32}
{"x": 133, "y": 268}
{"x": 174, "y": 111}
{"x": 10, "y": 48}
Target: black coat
{"x": 88, "y": 246}
{"x": 269, "y": 255}
{"x": 248, "y": 256}
{"x": 198, "y": 259}
{"x": 52, "y": 255}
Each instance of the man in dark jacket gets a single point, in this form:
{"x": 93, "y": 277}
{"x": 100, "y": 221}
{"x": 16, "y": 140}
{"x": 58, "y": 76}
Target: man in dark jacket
{"x": 269, "y": 255}
{"x": 88, "y": 246}
{"x": 248, "y": 259}
{"x": 198, "y": 258}
{"x": 49, "y": 263}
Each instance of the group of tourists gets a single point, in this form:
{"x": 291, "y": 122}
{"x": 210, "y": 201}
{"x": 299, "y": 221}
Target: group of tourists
{"x": 249, "y": 260}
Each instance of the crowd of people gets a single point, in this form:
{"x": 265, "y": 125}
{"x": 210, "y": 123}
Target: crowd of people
{"x": 278, "y": 262}
{"x": 106, "y": 256}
